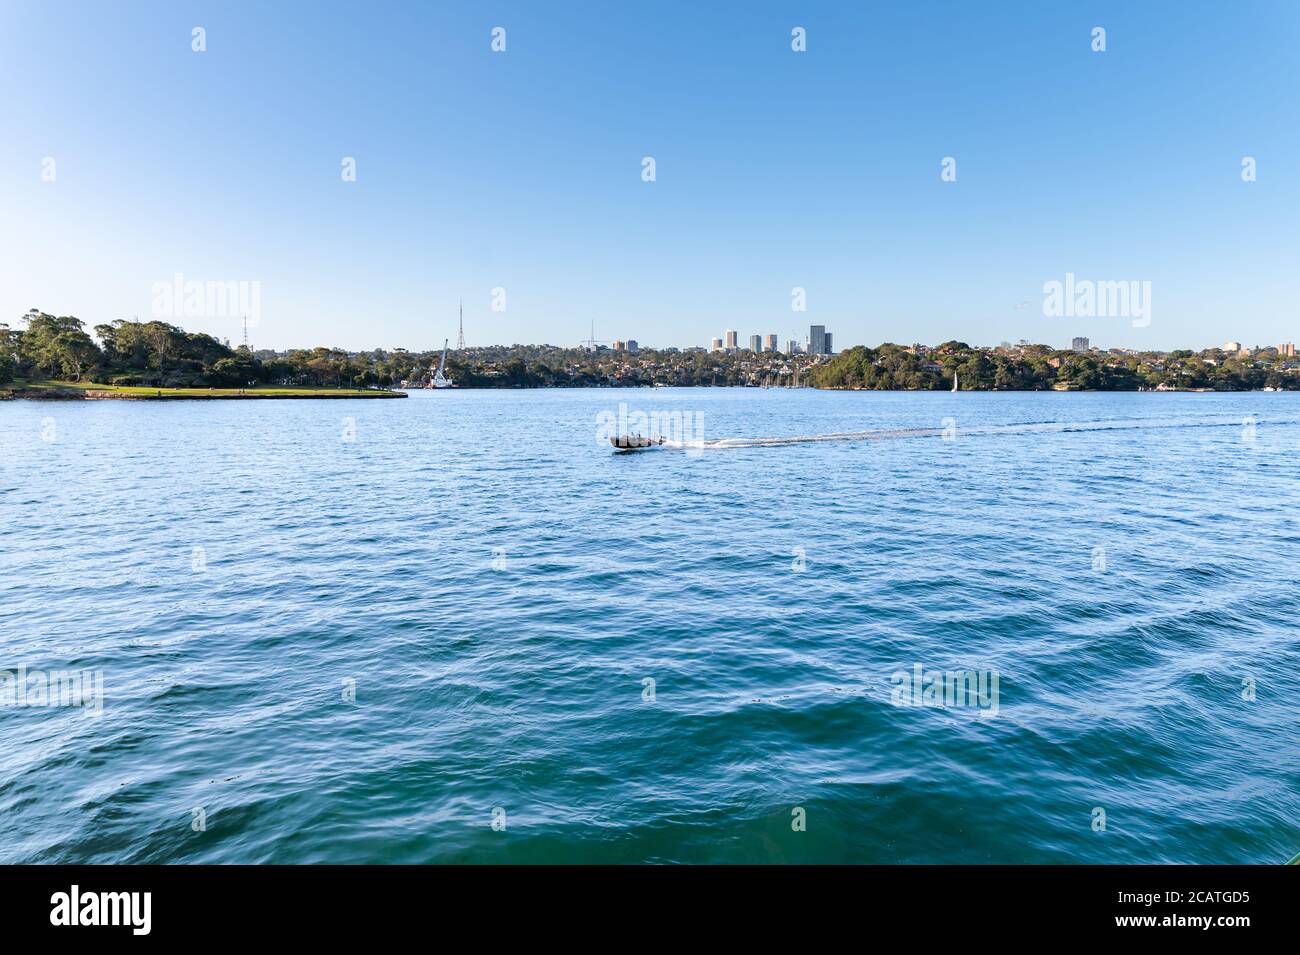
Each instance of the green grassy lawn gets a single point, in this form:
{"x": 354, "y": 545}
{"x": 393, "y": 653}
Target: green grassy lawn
{"x": 143, "y": 391}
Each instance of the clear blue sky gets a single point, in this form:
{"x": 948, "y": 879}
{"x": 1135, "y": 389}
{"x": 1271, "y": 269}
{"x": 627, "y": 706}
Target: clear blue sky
{"x": 775, "y": 169}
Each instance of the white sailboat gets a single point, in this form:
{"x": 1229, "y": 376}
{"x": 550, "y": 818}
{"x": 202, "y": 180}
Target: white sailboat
{"x": 439, "y": 381}
{"x": 954, "y": 382}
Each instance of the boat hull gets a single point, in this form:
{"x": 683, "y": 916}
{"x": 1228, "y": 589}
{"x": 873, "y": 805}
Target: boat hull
{"x": 634, "y": 442}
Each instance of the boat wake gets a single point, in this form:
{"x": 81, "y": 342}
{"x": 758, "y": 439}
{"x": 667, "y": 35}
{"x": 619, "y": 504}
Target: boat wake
{"x": 953, "y": 430}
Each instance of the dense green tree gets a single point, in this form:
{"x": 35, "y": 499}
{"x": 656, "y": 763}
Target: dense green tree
{"x": 8, "y": 353}
{"x": 54, "y": 347}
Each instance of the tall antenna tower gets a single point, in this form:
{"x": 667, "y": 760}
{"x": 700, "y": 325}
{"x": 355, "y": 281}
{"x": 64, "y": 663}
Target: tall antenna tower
{"x": 246, "y": 333}
{"x": 460, "y": 339}
{"x": 591, "y": 342}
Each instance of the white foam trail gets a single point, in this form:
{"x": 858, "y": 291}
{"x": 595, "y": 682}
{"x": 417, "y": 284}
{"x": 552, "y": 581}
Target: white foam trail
{"x": 1044, "y": 427}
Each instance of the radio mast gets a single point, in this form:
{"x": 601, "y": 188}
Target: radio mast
{"x": 592, "y": 342}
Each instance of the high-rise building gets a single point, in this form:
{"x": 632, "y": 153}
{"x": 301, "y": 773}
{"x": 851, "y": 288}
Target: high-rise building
{"x": 826, "y": 343}
{"x": 817, "y": 340}
{"x": 1232, "y": 347}
{"x": 1079, "y": 344}
{"x": 618, "y": 345}
{"x": 756, "y": 343}
{"x": 770, "y": 343}
{"x": 632, "y": 346}
{"x": 715, "y": 345}
{"x": 792, "y": 347}
{"x": 1286, "y": 350}
{"x": 731, "y": 343}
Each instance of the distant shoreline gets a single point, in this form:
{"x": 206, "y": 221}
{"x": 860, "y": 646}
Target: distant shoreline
{"x": 70, "y": 392}
{"x": 63, "y": 392}
{"x": 1069, "y": 391}
{"x": 160, "y": 360}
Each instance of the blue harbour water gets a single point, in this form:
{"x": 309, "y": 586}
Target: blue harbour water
{"x": 496, "y": 589}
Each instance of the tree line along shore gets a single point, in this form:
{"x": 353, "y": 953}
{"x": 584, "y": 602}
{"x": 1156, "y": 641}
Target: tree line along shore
{"x": 55, "y": 357}
{"x": 1028, "y": 367}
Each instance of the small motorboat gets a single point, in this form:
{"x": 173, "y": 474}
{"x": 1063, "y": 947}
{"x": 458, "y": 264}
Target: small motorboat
{"x": 633, "y": 442}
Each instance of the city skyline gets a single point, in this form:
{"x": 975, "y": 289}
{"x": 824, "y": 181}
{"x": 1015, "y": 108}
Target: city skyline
{"x": 771, "y": 343}
{"x": 816, "y": 342}
{"x": 414, "y": 178}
